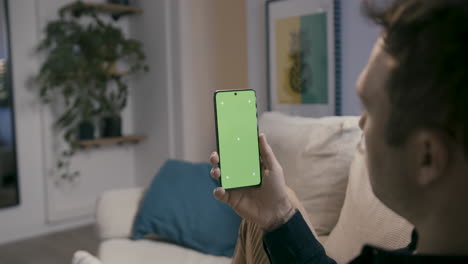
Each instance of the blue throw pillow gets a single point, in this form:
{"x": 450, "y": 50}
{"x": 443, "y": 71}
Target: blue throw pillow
{"x": 179, "y": 206}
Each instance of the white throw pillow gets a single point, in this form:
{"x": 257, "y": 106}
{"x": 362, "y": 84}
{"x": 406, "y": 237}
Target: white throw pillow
{"x": 365, "y": 220}
{"x": 315, "y": 154}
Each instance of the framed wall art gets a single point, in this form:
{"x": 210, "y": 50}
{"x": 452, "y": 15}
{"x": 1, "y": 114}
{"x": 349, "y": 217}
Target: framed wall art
{"x": 303, "y": 52}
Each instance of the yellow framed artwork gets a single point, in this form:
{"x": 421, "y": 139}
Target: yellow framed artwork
{"x": 302, "y": 52}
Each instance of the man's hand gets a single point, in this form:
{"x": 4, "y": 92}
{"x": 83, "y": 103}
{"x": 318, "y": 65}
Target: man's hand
{"x": 267, "y": 205}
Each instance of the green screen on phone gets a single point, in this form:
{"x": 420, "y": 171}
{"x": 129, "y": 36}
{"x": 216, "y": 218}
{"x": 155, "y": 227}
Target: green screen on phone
{"x": 237, "y": 134}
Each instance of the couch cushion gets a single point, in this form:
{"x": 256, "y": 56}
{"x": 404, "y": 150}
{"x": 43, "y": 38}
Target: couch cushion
{"x": 124, "y": 251}
{"x": 115, "y": 212}
{"x": 315, "y": 154}
{"x": 179, "y": 206}
{"x": 365, "y": 220}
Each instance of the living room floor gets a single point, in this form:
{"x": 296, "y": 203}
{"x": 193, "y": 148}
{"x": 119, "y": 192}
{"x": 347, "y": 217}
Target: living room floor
{"x": 56, "y": 248}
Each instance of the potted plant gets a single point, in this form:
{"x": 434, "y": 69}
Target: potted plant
{"x": 79, "y": 71}
{"x": 112, "y": 104}
{"x": 112, "y": 100}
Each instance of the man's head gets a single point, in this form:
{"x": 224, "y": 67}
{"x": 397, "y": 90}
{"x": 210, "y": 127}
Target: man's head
{"x": 415, "y": 96}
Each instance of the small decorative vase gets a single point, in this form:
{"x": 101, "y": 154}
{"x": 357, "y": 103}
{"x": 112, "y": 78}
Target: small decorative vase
{"x": 111, "y": 127}
{"x": 85, "y": 130}
{"x": 119, "y": 2}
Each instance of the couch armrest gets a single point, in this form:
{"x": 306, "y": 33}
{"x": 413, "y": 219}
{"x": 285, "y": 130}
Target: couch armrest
{"x": 115, "y": 212}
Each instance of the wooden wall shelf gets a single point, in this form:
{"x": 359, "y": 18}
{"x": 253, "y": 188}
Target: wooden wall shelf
{"x": 113, "y": 9}
{"x": 119, "y": 74}
{"x": 133, "y": 139}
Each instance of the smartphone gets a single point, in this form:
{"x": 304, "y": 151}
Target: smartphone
{"x": 237, "y": 138}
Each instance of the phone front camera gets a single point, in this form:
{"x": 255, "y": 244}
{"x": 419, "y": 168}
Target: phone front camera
{"x": 235, "y": 93}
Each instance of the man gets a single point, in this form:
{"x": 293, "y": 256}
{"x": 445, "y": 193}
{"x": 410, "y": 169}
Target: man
{"x": 415, "y": 121}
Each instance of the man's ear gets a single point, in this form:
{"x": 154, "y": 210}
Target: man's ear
{"x": 432, "y": 152}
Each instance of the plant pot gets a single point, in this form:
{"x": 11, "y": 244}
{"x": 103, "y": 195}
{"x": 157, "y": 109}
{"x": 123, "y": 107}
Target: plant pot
{"x": 85, "y": 130}
{"x": 111, "y": 127}
{"x": 119, "y": 2}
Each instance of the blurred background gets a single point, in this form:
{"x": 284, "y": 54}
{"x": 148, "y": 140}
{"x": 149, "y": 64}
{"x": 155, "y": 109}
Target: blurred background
{"x": 96, "y": 97}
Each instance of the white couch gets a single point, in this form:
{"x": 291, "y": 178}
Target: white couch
{"x": 317, "y": 157}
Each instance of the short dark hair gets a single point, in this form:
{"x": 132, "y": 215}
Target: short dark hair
{"x": 429, "y": 87}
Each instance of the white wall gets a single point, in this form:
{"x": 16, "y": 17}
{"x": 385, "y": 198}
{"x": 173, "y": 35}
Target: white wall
{"x": 357, "y": 39}
{"x": 43, "y": 206}
{"x": 256, "y": 51}
{"x": 152, "y": 96}
{"x": 358, "y": 36}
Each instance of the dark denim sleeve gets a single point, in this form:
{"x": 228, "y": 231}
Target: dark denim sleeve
{"x": 294, "y": 243}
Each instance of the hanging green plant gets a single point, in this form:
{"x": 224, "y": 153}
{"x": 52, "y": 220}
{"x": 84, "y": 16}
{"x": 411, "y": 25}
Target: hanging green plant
{"x": 79, "y": 72}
